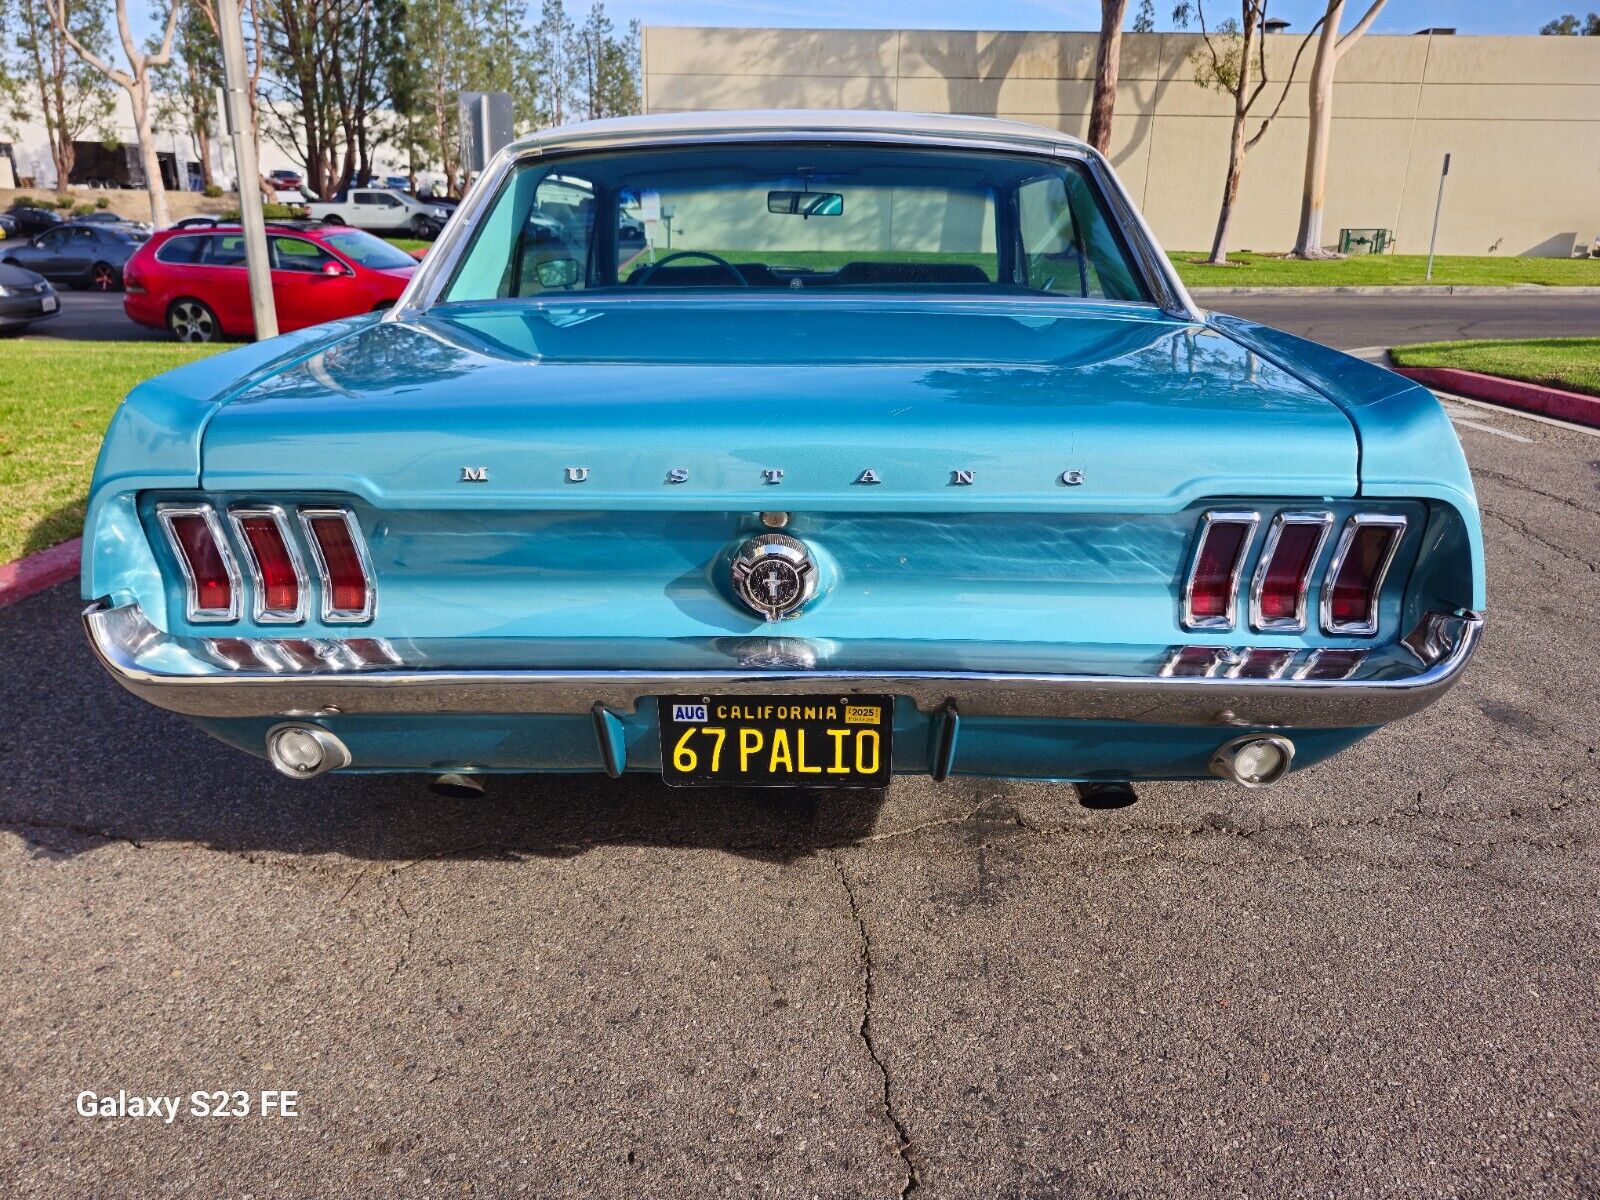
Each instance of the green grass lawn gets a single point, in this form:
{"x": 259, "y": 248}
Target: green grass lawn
{"x": 408, "y": 244}
{"x": 56, "y": 398}
{"x": 1571, "y": 363}
{"x": 1365, "y": 270}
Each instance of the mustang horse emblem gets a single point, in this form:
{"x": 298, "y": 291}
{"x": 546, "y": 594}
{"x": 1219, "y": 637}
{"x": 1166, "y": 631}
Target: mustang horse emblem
{"x": 774, "y": 575}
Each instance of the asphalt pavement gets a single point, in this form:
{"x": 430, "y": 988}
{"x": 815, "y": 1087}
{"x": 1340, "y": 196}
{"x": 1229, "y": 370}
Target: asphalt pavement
{"x": 1381, "y": 978}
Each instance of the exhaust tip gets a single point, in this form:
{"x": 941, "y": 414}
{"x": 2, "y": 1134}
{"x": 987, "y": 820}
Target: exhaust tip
{"x": 303, "y": 751}
{"x": 1256, "y": 761}
{"x": 1107, "y": 795}
{"x": 457, "y": 786}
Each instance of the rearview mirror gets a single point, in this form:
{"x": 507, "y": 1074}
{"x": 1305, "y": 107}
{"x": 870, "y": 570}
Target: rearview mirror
{"x": 558, "y": 273}
{"x": 806, "y": 204}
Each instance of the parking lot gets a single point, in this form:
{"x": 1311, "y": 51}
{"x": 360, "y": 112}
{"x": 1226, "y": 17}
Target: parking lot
{"x": 1380, "y": 978}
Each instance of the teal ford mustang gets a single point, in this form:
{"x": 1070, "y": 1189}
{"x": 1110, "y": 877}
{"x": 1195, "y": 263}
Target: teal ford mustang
{"x": 788, "y": 449}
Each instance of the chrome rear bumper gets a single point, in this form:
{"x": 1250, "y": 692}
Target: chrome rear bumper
{"x": 181, "y": 675}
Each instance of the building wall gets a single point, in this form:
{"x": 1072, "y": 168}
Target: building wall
{"x": 1520, "y": 115}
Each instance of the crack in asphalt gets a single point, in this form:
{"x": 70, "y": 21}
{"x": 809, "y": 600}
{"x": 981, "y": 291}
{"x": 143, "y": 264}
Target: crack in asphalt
{"x": 1517, "y": 526}
{"x": 864, "y": 1031}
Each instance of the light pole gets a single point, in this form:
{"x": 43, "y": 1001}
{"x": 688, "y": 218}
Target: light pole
{"x": 247, "y": 168}
{"x": 1438, "y": 205}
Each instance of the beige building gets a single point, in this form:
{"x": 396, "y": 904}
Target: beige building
{"x": 1520, "y": 115}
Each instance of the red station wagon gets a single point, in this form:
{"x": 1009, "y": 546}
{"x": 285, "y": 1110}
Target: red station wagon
{"x": 194, "y": 283}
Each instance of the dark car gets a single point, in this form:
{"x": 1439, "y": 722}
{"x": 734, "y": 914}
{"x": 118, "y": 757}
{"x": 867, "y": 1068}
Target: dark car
{"x": 110, "y": 218}
{"x": 89, "y": 256}
{"x": 25, "y": 298}
{"x": 32, "y": 221}
{"x": 200, "y": 221}
{"x": 9, "y": 228}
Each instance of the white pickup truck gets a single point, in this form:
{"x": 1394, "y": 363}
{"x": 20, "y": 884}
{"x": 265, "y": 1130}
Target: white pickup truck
{"x": 381, "y": 210}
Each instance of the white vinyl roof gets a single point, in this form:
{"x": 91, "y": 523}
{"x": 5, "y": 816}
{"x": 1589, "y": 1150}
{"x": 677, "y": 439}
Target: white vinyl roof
{"x": 849, "y": 123}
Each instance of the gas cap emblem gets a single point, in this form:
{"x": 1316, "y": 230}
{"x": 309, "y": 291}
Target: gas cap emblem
{"x": 774, "y": 575}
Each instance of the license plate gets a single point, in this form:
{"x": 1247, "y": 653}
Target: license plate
{"x": 49, "y": 304}
{"x": 776, "y": 741}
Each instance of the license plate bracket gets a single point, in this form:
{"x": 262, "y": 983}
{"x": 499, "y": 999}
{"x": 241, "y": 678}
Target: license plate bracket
{"x": 825, "y": 740}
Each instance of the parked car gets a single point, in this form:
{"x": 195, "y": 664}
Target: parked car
{"x": 285, "y": 180}
{"x": 912, "y": 455}
{"x": 25, "y": 298}
{"x": 111, "y": 218}
{"x": 10, "y": 227}
{"x": 86, "y": 256}
{"x": 194, "y": 283}
{"x": 199, "y": 221}
{"x": 382, "y": 210}
{"x": 32, "y": 221}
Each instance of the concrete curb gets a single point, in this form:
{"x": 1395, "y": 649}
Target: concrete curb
{"x": 34, "y": 573}
{"x": 1519, "y": 289}
{"x": 1513, "y": 393}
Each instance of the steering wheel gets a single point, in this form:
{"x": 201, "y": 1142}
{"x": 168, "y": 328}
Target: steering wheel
{"x": 644, "y": 276}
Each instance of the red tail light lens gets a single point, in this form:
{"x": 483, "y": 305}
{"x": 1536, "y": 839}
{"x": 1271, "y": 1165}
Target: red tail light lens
{"x": 279, "y": 582}
{"x": 1208, "y": 601}
{"x": 1355, "y": 577}
{"x": 1283, "y": 578}
{"x": 341, "y": 559}
{"x": 211, "y": 581}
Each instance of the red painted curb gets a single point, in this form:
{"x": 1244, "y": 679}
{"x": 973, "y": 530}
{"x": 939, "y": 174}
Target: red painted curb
{"x": 31, "y": 575}
{"x": 1530, "y": 397}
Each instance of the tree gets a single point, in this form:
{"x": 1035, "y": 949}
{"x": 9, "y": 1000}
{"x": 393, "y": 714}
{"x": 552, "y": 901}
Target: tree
{"x": 555, "y": 49}
{"x": 1319, "y": 130}
{"x": 1223, "y": 62}
{"x": 1145, "y": 21}
{"x": 135, "y": 80}
{"x": 189, "y": 84}
{"x": 1568, "y": 25}
{"x": 605, "y": 67}
{"x": 1107, "y": 64}
{"x": 42, "y": 77}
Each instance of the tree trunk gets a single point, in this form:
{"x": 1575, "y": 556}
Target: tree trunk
{"x": 1230, "y": 194}
{"x": 140, "y": 97}
{"x": 1107, "y": 65}
{"x": 1308, "y": 241}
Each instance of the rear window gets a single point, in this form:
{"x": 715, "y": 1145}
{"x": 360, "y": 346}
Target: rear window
{"x": 368, "y": 251}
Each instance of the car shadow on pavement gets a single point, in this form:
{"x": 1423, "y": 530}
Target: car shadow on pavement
{"x": 86, "y": 762}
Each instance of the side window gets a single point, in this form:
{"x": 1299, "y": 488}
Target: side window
{"x": 82, "y": 236}
{"x": 54, "y": 239}
{"x": 384, "y": 200}
{"x": 297, "y": 254}
{"x": 226, "y": 250}
{"x": 366, "y": 198}
{"x": 180, "y": 250}
{"x": 1051, "y": 259}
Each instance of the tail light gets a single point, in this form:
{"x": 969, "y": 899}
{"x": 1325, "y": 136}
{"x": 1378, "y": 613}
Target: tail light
{"x": 341, "y": 556}
{"x": 1355, "y": 576}
{"x": 279, "y": 583}
{"x": 211, "y": 580}
{"x": 1208, "y": 597}
{"x": 1283, "y": 577}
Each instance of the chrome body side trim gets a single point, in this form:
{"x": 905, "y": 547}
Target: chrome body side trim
{"x": 188, "y": 682}
{"x": 259, "y": 611}
{"x": 1296, "y": 623}
{"x": 191, "y": 586}
{"x": 1352, "y": 526}
{"x": 1217, "y": 516}
{"x": 330, "y": 614}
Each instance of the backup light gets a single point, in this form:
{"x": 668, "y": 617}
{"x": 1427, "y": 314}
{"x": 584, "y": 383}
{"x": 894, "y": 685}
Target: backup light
{"x": 1255, "y": 761}
{"x": 305, "y": 751}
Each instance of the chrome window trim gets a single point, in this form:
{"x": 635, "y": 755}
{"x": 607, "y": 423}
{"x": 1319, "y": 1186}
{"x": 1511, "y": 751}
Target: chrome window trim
{"x": 191, "y": 586}
{"x": 331, "y": 615}
{"x": 259, "y": 612}
{"x": 1247, "y": 517}
{"x": 1296, "y": 623}
{"x": 1354, "y": 523}
{"x": 1158, "y": 275}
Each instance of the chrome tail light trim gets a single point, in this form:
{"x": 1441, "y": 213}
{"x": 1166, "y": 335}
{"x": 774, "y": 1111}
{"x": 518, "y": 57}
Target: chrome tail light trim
{"x": 330, "y": 614}
{"x": 1297, "y": 623}
{"x": 1352, "y": 526}
{"x": 165, "y": 514}
{"x": 1209, "y": 520}
{"x": 259, "y": 611}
